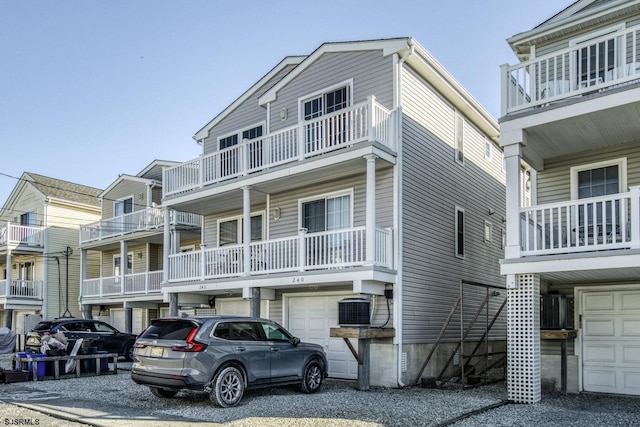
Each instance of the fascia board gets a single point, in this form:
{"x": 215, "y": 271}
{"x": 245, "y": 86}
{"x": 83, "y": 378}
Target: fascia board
{"x": 128, "y": 178}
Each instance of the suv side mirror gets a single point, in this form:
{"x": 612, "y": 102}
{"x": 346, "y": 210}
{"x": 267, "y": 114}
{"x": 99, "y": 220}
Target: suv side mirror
{"x": 295, "y": 341}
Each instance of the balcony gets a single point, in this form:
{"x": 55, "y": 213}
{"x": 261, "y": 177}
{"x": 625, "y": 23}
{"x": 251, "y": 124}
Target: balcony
{"x": 595, "y": 224}
{"x": 21, "y": 289}
{"x": 367, "y": 121}
{"x": 303, "y": 252}
{"x": 147, "y": 283}
{"x": 148, "y": 219}
{"x": 602, "y": 63}
{"x": 12, "y": 234}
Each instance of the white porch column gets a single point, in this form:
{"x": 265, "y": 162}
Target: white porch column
{"x": 83, "y": 273}
{"x": 370, "y": 215}
{"x": 166, "y": 242}
{"x": 512, "y": 155}
{"x": 124, "y": 262}
{"x": 9, "y": 270}
{"x": 523, "y": 339}
{"x": 635, "y": 214}
{"x": 246, "y": 229}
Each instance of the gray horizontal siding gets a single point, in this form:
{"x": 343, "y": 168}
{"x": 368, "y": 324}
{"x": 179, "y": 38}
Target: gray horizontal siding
{"x": 433, "y": 183}
{"x": 124, "y": 189}
{"x": 554, "y": 183}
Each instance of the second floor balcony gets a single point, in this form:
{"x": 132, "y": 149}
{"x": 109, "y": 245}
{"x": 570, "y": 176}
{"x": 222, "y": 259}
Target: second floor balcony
{"x": 21, "y": 289}
{"x": 147, "y": 283}
{"x": 367, "y": 121}
{"x": 144, "y": 220}
{"x": 304, "y": 252}
{"x": 12, "y": 234}
{"x": 603, "y": 223}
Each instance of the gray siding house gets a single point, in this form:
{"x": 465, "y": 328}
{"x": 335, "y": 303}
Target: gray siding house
{"x": 127, "y": 294}
{"x": 572, "y": 261}
{"x": 361, "y": 170}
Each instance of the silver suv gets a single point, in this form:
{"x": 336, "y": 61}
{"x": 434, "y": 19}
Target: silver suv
{"x": 223, "y": 355}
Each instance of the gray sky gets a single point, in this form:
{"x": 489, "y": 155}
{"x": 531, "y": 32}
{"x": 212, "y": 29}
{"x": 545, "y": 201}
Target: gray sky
{"x": 90, "y": 89}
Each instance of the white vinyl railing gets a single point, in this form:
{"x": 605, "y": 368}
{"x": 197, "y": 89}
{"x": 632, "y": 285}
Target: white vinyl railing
{"x": 21, "y": 235}
{"x": 138, "y": 283}
{"x": 597, "y": 223}
{"x": 367, "y": 121}
{"x": 143, "y": 220}
{"x": 306, "y": 251}
{"x": 29, "y": 289}
{"x": 597, "y": 64}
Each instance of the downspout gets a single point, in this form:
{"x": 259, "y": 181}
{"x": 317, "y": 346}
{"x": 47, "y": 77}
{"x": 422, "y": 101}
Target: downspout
{"x": 45, "y": 265}
{"x": 397, "y": 215}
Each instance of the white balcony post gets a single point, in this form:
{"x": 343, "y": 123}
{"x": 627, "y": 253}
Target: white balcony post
{"x": 370, "y": 214}
{"x": 371, "y": 115}
{"x": 166, "y": 243}
{"x": 246, "y": 229}
{"x": 244, "y": 157}
{"x": 302, "y": 234}
{"x": 83, "y": 272}
{"x": 634, "y": 194}
{"x": 124, "y": 263}
{"x": 8, "y": 267}
{"x": 201, "y": 170}
{"x": 504, "y": 88}
{"x": 301, "y": 139}
{"x": 512, "y": 158}
{"x": 203, "y": 264}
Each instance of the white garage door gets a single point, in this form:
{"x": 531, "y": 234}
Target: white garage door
{"x": 611, "y": 341}
{"x": 310, "y": 319}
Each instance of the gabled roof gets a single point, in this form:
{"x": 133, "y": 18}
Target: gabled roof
{"x": 150, "y": 175}
{"x": 577, "y": 16}
{"x": 52, "y": 188}
{"x": 63, "y": 190}
{"x": 286, "y": 62}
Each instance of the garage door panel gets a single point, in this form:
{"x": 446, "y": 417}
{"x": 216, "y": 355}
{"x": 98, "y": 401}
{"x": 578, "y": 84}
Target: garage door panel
{"x": 632, "y": 382}
{"x": 631, "y": 354}
{"x": 630, "y": 301}
{"x": 601, "y": 380}
{"x": 604, "y": 327}
{"x": 598, "y": 302}
{"x": 630, "y": 327}
{"x": 603, "y": 353}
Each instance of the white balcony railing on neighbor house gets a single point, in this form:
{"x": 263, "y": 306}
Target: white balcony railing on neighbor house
{"x": 594, "y": 65}
{"x": 30, "y": 289}
{"x": 142, "y": 220}
{"x": 316, "y": 251}
{"x": 367, "y": 121}
{"x": 597, "y": 223}
{"x": 139, "y": 283}
{"x": 21, "y": 235}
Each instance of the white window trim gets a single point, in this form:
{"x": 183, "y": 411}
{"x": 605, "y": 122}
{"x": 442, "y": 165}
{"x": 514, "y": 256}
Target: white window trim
{"x": 503, "y": 238}
{"x": 488, "y": 226}
{"x": 113, "y": 263}
{"x": 456, "y": 149}
{"x": 455, "y": 249}
{"x": 239, "y": 218}
{"x": 121, "y": 199}
{"x": 331, "y": 195}
{"x": 487, "y": 154}
{"x": 303, "y": 99}
{"x": 187, "y": 248}
{"x": 595, "y": 34}
{"x": 239, "y": 133}
{"x": 622, "y": 166}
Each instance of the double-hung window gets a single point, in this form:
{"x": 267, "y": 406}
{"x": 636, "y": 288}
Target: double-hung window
{"x": 229, "y": 156}
{"x": 121, "y": 208}
{"x": 321, "y": 134}
{"x": 117, "y": 265}
{"x": 322, "y": 217}
{"x": 459, "y": 232}
{"x": 596, "y": 61}
{"x": 459, "y": 139}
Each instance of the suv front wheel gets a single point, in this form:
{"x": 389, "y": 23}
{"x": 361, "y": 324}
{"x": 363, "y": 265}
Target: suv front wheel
{"x": 312, "y": 379}
{"x": 228, "y": 387}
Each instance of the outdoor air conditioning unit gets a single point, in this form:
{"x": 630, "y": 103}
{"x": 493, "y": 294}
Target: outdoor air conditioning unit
{"x": 556, "y": 311}
{"x": 353, "y": 312}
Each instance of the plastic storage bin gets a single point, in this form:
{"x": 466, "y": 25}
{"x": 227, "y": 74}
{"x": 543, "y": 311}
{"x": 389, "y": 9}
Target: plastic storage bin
{"x": 42, "y": 366}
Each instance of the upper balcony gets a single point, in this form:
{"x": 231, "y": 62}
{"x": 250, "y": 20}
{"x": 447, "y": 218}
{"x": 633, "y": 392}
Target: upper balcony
{"x": 585, "y": 96}
{"x": 21, "y": 289}
{"x": 21, "y": 235}
{"x": 367, "y": 121}
{"x": 145, "y": 220}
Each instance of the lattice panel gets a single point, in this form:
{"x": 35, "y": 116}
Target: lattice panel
{"x": 523, "y": 340}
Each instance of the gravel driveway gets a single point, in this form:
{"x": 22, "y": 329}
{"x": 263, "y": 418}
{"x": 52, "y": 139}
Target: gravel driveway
{"x": 337, "y": 404}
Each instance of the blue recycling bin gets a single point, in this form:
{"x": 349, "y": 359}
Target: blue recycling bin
{"x": 42, "y": 366}
{"x": 104, "y": 362}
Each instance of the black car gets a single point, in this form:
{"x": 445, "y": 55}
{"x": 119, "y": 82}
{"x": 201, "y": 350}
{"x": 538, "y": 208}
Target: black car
{"x": 100, "y": 334}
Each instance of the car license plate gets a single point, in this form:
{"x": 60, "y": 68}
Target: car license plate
{"x": 156, "y": 351}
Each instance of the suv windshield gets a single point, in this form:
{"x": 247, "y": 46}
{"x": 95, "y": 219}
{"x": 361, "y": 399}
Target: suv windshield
{"x": 169, "y": 330}
{"x": 43, "y": 326}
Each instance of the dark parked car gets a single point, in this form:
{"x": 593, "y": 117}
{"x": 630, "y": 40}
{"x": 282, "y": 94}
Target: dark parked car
{"x": 100, "y": 334}
{"x": 223, "y": 356}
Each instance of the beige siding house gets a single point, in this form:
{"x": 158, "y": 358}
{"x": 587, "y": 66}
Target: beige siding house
{"x": 39, "y": 257}
{"x": 127, "y": 294}
{"x": 363, "y": 170}
{"x": 572, "y": 261}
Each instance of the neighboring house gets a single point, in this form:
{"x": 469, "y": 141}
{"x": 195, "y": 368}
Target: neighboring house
{"x": 361, "y": 170}
{"x": 570, "y": 111}
{"x": 127, "y": 294}
{"x": 38, "y": 248}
